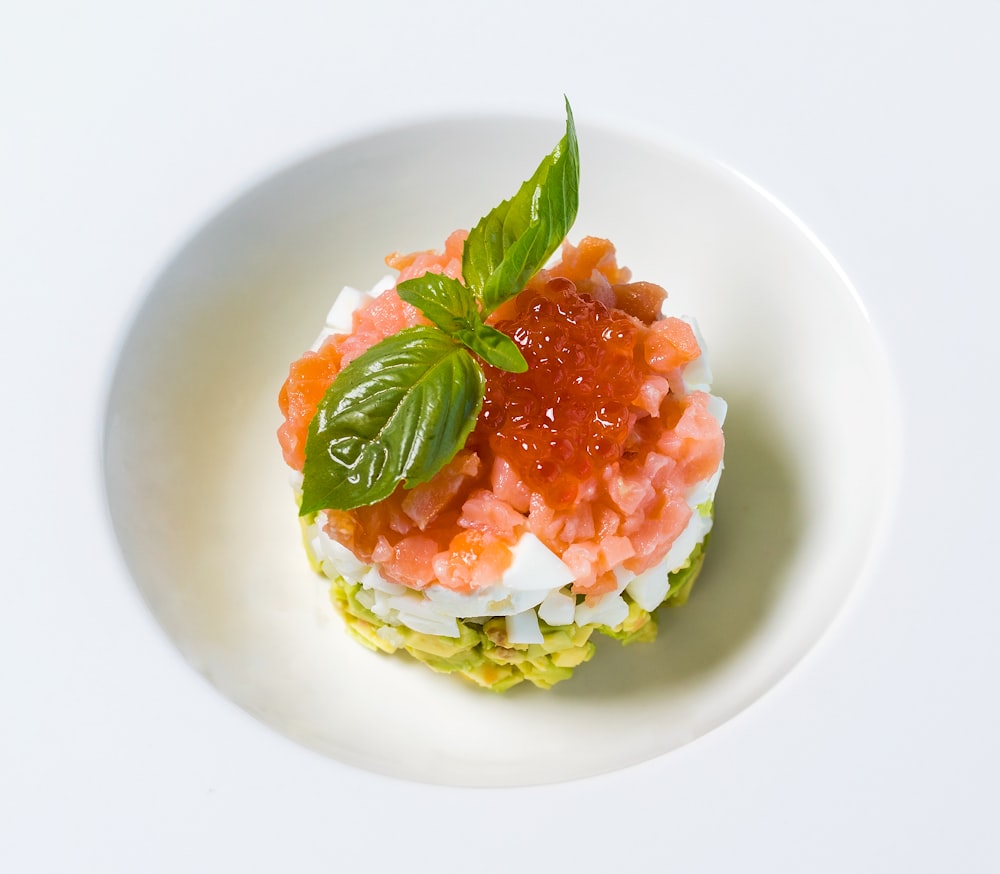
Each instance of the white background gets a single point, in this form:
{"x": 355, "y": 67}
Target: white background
{"x": 123, "y": 126}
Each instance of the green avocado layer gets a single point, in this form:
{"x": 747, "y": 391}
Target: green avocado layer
{"x": 483, "y": 654}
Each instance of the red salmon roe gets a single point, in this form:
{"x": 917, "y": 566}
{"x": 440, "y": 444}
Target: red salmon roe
{"x": 569, "y": 412}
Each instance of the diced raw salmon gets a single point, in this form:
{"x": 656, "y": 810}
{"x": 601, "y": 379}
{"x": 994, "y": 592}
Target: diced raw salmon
{"x": 308, "y": 380}
{"x": 628, "y": 493}
{"x": 582, "y": 560}
{"x": 695, "y": 442}
{"x": 615, "y": 551}
{"x": 579, "y": 262}
{"x": 486, "y": 512}
{"x": 473, "y": 560}
{"x": 457, "y": 529}
{"x": 508, "y": 486}
{"x": 448, "y": 262}
{"x": 652, "y": 392}
{"x": 653, "y": 534}
{"x": 412, "y": 562}
{"x": 670, "y": 344}
{"x": 425, "y": 502}
{"x": 386, "y": 315}
{"x": 578, "y": 523}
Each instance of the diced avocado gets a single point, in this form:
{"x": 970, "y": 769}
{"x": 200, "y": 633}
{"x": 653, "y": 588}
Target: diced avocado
{"x": 638, "y": 627}
{"x": 504, "y": 655}
{"x": 636, "y": 621}
{"x": 556, "y": 641}
{"x": 438, "y": 645}
{"x": 367, "y": 634}
{"x": 495, "y": 630}
{"x": 338, "y": 594}
{"x": 496, "y": 678}
{"x": 570, "y": 658}
{"x": 544, "y": 673}
{"x": 682, "y": 580}
{"x": 461, "y": 661}
{"x": 482, "y": 652}
{"x": 355, "y": 608}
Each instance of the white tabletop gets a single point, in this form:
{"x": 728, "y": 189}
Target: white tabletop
{"x": 124, "y": 127}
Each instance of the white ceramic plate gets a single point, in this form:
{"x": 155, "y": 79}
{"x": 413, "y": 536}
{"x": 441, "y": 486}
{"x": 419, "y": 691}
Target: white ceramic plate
{"x": 206, "y": 521}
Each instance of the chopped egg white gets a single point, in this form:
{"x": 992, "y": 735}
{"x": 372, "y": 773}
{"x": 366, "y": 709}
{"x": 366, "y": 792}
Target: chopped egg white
{"x": 518, "y": 591}
{"x": 523, "y": 628}
{"x": 610, "y": 609}
{"x": 534, "y": 562}
{"x": 558, "y": 607}
{"x": 718, "y": 408}
{"x": 705, "y": 490}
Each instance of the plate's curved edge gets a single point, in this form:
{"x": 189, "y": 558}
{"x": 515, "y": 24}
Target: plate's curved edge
{"x": 361, "y": 142}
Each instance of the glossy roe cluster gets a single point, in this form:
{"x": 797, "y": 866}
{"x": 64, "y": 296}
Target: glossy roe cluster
{"x": 569, "y": 412}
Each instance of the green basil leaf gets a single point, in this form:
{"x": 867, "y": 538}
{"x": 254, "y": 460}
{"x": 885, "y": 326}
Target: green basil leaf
{"x": 513, "y": 242}
{"x": 495, "y": 348}
{"x": 400, "y": 411}
{"x": 445, "y": 301}
{"x": 451, "y": 306}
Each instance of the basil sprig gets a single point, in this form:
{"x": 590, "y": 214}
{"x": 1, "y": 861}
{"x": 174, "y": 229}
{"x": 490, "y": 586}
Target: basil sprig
{"x": 400, "y": 411}
{"x": 514, "y": 241}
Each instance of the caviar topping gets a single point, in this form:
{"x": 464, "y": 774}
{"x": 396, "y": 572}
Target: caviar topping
{"x": 569, "y": 411}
